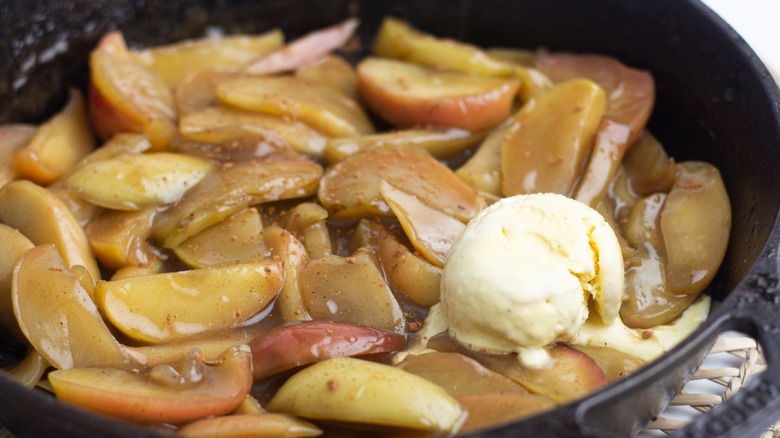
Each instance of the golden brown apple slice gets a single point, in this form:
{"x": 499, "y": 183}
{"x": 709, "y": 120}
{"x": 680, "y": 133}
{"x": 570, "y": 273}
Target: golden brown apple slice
{"x": 290, "y": 346}
{"x": 199, "y": 90}
{"x": 407, "y": 95}
{"x": 396, "y": 39}
{"x": 631, "y": 92}
{"x": 237, "y": 239}
{"x": 407, "y": 273}
{"x": 224, "y": 124}
{"x": 549, "y": 139}
{"x": 294, "y": 257}
{"x": 352, "y": 187}
{"x": 352, "y": 290}
{"x": 695, "y": 224}
{"x": 176, "y": 61}
{"x": 119, "y": 238}
{"x": 323, "y": 108}
{"x": 209, "y": 347}
{"x": 307, "y": 221}
{"x": 309, "y": 48}
{"x": 358, "y": 391}
{"x": 13, "y": 137}
{"x": 247, "y": 425}
{"x": 224, "y": 193}
{"x": 609, "y": 148}
{"x": 569, "y": 375}
{"x": 648, "y": 167}
{"x": 124, "y": 94}
{"x": 440, "y": 143}
{"x": 430, "y": 231}
{"x": 58, "y": 145}
{"x": 212, "y": 389}
{"x": 332, "y": 71}
{"x": 57, "y": 315}
{"x": 165, "y": 307}
{"x": 491, "y": 410}
{"x": 459, "y": 374}
{"x": 14, "y": 246}
{"x": 43, "y": 218}
{"x": 483, "y": 170}
{"x": 133, "y": 182}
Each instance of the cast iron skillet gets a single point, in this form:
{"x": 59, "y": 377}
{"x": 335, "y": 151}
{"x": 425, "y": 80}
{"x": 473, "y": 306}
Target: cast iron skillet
{"x": 716, "y": 102}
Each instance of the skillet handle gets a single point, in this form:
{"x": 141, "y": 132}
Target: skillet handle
{"x": 754, "y": 408}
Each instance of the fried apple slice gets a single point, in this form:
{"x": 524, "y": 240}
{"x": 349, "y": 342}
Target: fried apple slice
{"x": 323, "y": 108}
{"x": 224, "y": 193}
{"x": 13, "y": 137}
{"x": 136, "y": 181}
{"x": 358, "y": 391}
{"x": 176, "y": 61}
{"x": 352, "y": 290}
{"x": 57, "y": 315}
{"x": 430, "y": 231}
{"x": 43, "y": 218}
{"x": 237, "y": 239}
{"x": 166, "y": 307}
{"x": 290, "y": 346}
{"x": 550, "y": 138}
{"x": 246, "y": 425}
{"x": 58, "y": 145}
{"x": 352, "y": 187}
{"x": 124, "y": 94}
{"x": 202, "y": 391}
{"x": 631, "y": 92}
{"x": 309, "y": 48}
{"x": 407, "y": 95}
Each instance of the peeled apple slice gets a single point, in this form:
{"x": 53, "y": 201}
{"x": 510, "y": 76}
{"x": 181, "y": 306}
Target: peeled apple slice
{"x": 207, "y": 390}
{"x": 57, "y": 315}
{"x": 124, "y": 94}
{"x": 165, "y": 307}
{"x": 407, "y": 95}
{"x": 249, "y": 425}
{"x": 58, "y": 144}
{"x": 548, "y": 140}
{"x": 358, "y": 391}
{"x": 322, "y": 108}
{"x": 38, "y": 214}
{"x": 131, "y": 182}
{"x": 176, "y": 61}
{"x": 430, "y": 231}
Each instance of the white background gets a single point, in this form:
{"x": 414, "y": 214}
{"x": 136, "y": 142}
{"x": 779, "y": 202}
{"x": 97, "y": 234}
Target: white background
{"x": 758, "y": 22}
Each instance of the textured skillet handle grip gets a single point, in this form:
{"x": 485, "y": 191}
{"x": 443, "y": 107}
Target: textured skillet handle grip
{"x": 756, "y": 407}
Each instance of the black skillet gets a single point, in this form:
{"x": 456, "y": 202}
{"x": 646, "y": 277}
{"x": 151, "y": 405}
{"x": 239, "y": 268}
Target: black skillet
{"x": 716, "y": 102}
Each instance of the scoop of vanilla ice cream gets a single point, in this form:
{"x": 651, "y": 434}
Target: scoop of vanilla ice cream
{"x": 522, "y": 273}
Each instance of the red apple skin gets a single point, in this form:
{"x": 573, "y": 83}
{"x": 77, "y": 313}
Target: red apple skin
{"x": 106, "y": 119}
{"x": 284, "y": 348}
{"x": 223, "y": 388}
{"x": 472, "y": 112}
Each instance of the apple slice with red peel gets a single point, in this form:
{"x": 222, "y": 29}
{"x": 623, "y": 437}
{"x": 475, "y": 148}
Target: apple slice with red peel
{"x": 125, "y": 95}
{"x": 631, "y": 92}
{"x": 569, "y": 375}
{"x": 286, "y": 347}
{"x": 307, "y": 49}
{"x": 407, "y": 95}
{"x": 209, "y": 389}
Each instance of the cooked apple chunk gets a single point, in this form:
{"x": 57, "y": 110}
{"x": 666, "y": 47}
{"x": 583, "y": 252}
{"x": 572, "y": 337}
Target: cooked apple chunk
{"x": 407, "y": 95}
{"x": 164, "y": 395}
{"x": 165, "y": 307}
